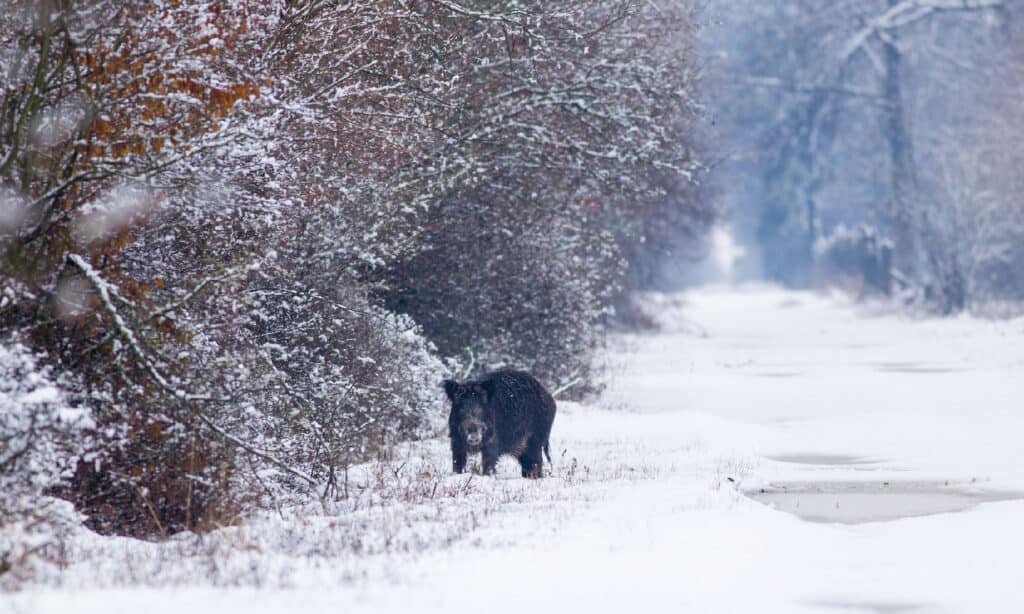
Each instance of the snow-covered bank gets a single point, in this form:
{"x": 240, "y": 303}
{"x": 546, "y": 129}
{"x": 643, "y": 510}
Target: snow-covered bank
{"x": 645, "y": 510}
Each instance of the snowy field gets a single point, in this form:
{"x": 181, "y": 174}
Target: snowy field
{"x": 891, "y": 449}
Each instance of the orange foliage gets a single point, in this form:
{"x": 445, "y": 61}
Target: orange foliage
{"x": 143, "y": 76}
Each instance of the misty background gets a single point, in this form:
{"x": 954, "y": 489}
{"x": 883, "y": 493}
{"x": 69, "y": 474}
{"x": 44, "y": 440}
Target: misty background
{"x": 872, "y": 144}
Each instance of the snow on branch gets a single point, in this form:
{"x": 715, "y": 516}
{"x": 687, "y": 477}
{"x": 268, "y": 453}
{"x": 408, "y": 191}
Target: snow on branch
{"x": 104, "y": 290}
{"x": 844, "y": 90}
{"x": 483, "y": 15}
{"x": 906, "y": 13}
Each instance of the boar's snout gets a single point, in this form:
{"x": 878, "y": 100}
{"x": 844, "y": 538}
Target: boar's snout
{"x": 474, "y": 432}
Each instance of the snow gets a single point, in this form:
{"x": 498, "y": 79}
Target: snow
{"x": 645, "y": 510}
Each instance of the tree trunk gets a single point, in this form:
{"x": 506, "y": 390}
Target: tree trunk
{"x": 903, "y": 179}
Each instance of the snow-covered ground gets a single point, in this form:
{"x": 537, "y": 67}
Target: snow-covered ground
{"x": 863, "y": 415}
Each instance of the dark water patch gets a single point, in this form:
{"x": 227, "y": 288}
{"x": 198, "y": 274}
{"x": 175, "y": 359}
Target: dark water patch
{"x": 823, "y": 459}
{"x": 861, "y": 502}
{"x": 873, "y": 607}
{"x": 913, "y": 367}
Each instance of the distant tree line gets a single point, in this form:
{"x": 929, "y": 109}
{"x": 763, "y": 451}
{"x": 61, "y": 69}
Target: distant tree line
{"x": 895, "y": 115}
{"x": 242, "y": 242}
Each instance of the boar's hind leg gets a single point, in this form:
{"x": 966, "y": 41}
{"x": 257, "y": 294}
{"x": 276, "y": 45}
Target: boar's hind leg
{"x": 531, "y": 460}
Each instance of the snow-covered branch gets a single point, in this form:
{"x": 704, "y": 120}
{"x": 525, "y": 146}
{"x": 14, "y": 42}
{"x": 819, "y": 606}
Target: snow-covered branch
{"x": 906, "y": 13}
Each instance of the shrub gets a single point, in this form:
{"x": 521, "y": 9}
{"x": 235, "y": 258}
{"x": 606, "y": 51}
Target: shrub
{"x": 39, "y": 438}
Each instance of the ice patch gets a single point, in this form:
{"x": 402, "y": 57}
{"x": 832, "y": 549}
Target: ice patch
{"x": 860, "y": 502}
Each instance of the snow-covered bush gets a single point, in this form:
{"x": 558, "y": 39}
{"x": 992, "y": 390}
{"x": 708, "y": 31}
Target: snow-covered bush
{"x": 509, "y": 290}
{"x": 572, "y": 125}
{"x": 326, "y": 378}
{"x": 217, "y": 223}
{"x": 858, "y": 256}
{"x": 115, "y": 102}
{"x": 39, "y": 446}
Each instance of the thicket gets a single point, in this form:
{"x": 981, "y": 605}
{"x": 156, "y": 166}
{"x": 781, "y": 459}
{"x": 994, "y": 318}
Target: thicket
{"x": 245, "y": 240}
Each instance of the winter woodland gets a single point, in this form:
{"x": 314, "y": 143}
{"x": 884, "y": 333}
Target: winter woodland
{"x": 243, "y": 242}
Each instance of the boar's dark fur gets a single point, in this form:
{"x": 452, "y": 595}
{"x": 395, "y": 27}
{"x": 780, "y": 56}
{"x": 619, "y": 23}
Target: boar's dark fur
{"x": 503, "y": 412}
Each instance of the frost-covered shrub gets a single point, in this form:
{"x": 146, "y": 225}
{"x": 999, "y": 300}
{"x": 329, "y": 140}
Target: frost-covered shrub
{"x": 495, "y": 289}
{"x": 661, "y": 242}
{"x": 561, "y": 142}
{"x": 329, "y": 378}
{"x": 206, "y": 246}
{"x": 859, "y": 256}
{"x": 111, "y": 96}
{"x": 39, "y": 445}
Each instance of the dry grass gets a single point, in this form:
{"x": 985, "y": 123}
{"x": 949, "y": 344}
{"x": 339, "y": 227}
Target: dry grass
{"x": 405, "y": 503}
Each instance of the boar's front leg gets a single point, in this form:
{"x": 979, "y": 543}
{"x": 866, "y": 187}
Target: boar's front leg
{"x": 458, "y": 455}
{"x": 490, "y": 455}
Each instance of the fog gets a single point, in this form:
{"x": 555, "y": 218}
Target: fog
{"x": 894, "y": 117}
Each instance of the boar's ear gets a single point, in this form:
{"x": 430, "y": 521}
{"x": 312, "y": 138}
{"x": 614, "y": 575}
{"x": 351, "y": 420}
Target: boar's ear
{"x": 487, "y": 390}
{"x": 450, "y": 387}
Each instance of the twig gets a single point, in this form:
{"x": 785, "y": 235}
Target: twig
{"x": 152, "y": 512}
{"x": 567, "y": 386}
{"x": 188, "y": 297}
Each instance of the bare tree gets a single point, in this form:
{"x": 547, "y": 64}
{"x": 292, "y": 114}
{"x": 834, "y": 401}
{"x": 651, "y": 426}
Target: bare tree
{"x": 854, "y": 80}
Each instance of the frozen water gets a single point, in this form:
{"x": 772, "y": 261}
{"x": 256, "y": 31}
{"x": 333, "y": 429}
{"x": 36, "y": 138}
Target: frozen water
{"x": 822, "y": 459}
{"x": 859, "y": 502}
